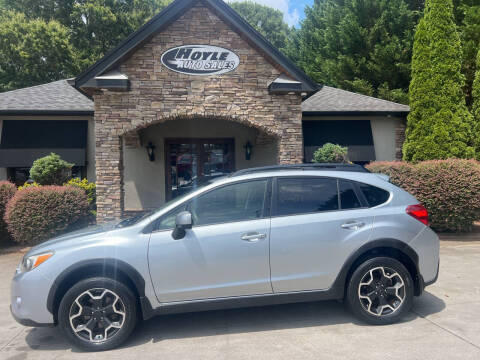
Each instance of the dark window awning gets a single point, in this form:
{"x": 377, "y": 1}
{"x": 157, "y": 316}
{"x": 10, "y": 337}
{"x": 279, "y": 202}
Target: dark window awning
{"x": 24, "y": 141}
{"x": 355, "y": 134}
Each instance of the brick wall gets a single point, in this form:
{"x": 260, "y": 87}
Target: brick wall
{"x": 158, "y": 94}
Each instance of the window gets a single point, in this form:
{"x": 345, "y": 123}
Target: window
{"x": 231, "y": 203}
{"x": 306, "y": 195}
{"x": 374, "y": 195}
{"x": 167, "y": 221}
{"x": 348, "y": 198}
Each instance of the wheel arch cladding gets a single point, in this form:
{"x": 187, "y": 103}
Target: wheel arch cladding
{"x": 385, "y": 247}
{"x": 110, "y": 268}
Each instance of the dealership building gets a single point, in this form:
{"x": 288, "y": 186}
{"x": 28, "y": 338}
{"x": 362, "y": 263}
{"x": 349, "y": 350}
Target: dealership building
{"x": 194, "y": 94}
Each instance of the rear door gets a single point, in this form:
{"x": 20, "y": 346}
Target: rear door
{"x": 317, "y": 223}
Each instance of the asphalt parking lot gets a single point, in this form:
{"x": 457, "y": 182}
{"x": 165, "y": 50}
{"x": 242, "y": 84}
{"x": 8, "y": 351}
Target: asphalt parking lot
{"x": 444, "y": 324}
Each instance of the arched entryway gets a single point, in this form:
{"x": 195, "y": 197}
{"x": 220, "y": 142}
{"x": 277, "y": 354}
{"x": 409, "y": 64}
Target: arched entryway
{"x": 186, "y": 152}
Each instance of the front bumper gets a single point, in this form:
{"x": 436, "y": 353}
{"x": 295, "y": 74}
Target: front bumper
{"x": 29, "y": 293}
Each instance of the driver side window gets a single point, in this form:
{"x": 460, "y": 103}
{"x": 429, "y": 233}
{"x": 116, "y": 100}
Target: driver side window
{"x": 231, "y": 203}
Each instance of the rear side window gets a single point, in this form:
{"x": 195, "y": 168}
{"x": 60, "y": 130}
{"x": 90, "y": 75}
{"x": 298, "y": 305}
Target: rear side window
{"x": 348, "y": 197}
{"x": 306, "y": 195}
{"x": 374, "y": 195}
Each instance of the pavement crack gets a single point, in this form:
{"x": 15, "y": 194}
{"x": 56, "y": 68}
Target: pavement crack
{"x": 11, "y": 339}
{"x": 448, "y": 330}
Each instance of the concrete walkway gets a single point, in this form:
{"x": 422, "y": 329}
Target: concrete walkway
{"x": 445, "y": 324}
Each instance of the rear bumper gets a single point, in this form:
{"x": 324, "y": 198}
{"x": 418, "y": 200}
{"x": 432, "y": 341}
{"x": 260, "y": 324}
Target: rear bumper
{"x": 428, "y": 283}
{"x": 427, "y": 246}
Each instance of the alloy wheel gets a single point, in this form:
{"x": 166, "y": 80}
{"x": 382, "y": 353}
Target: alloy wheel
{"x": 97, "y": 315}
{"x": 381, "y": 291}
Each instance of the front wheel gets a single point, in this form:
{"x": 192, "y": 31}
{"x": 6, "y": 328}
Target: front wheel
{"x": 380, "y": 291}
{"x": 98, "y": 314}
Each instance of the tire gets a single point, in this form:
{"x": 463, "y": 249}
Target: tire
{"x": 390, "y": 291}
{"x": 103, "y": 311}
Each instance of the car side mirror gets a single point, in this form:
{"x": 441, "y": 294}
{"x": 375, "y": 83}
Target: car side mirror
{"x": 183, "y": 222}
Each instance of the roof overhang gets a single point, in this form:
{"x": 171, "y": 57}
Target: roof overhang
{"x": 284, "y": 85}
{"x": 112, "y": 59}
{"x": 34, "y": 112}
{"x": 399, "y": 114}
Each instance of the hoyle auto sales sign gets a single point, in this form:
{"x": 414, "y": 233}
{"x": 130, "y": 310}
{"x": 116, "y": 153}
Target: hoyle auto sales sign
{"x": 200, "y": 60}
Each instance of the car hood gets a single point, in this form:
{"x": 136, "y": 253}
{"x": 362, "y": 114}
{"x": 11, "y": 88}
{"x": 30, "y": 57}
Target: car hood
{"x": 79, "y": 235}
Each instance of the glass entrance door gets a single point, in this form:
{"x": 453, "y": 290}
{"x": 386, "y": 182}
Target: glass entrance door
{"x": 191, "y": 162}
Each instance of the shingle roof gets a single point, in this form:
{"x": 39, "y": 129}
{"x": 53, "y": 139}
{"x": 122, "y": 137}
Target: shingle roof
{"x": 331, "y": 100}
{"x": 53, "y": 97}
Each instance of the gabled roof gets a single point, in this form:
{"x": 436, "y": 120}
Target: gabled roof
{"x": 331, "y": 100}
{"x": 51, "y": 98}
{"x": 172, "y": 12}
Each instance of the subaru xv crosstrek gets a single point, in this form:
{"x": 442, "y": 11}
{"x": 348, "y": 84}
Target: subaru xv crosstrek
{"x": 260, "y": 236}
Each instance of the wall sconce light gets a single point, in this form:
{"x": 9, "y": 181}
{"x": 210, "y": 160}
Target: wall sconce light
{"x": 151, "y": 151}
{"x": 248, "y": 150}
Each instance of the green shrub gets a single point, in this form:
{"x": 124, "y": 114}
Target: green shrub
{"x": 449, "y": 189}
{"x": 51, "y": 170}
{"x": 7, "y": 191}
{"x": 439, "y": 125}
{"x": 331, "y": 153}
{"x": 476, "y": 106}
{"x": 36, "y": 214}
{"x": 89, "y": 188}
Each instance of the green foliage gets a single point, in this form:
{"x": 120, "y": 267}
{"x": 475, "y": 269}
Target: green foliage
{"x": 467, "y": 14}
{"x": 331, "y": 153}
{"x": 358, "y": 45}
{"x": 449, "y": 189}
{"x": 89, "y": 188}
{"x": 267, "y": 21}
{"x": 50, "y": 170}
{"x": 47, "y": 40}
{"x": 476, "y": 106}
{"x": 33, "y": 52}
{"x": 7, "y": 191}
{"x": 439, "y": 125}
{"x": 39, "y": 213}
{"x": 98, "y": 25}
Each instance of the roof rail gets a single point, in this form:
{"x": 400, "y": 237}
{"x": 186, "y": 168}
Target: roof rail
{"x": 316, "y": 166}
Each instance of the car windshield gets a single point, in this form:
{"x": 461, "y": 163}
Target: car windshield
{"x": 138, "y": 218}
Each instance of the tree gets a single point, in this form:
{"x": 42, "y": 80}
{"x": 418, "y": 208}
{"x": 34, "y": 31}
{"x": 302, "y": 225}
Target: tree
{"x": 439, "y": 125}
{"x": 468, "y": 20}
{"x": 266, "y": 20}
{"x": 95, "y": 26}
{"x": 51, "y": 170}
{"x": 359, "y": 45}
{"x": 476, "y": 106}
{"x": 34, "y": 52}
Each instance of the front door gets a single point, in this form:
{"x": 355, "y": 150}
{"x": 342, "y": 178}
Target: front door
{"x": 190, "y": 162}
{"x": 225, "y": 254}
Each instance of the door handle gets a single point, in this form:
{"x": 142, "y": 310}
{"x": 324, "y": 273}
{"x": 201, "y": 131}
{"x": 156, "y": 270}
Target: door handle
{"x": 253, "y": 237}
{"x": 353, "y": 225}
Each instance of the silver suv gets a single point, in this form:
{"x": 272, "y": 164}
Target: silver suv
{"x": 260, "y": 236}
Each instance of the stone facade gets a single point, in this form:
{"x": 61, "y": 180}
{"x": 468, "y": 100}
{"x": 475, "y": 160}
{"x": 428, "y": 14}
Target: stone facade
{"x": 158, "y": 95}
{"x": 400, "y": 139}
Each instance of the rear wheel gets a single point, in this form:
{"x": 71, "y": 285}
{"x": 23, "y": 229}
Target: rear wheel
{"x": 380, "y": 291}
{"x": 98, "y": 314}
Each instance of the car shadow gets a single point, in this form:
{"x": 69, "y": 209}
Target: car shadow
{"x": 245, "y": 320}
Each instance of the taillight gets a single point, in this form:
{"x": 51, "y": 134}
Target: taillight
{"x": 418, "y": 212}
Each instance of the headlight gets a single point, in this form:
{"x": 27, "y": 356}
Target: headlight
{"x": 31, "y": 262}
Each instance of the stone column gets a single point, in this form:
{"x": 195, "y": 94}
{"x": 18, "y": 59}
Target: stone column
{"x": 109, "y": 169}
{"x": 400, "y": 139}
